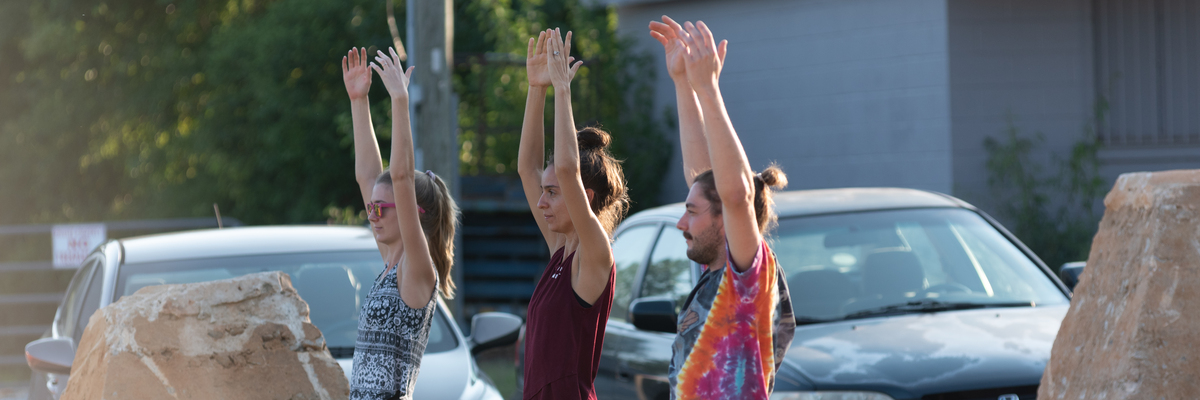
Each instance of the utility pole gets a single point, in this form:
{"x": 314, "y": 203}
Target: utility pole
{"x": 430, "y": 26}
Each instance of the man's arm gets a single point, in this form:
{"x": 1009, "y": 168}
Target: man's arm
{"x": 691, "y": 124}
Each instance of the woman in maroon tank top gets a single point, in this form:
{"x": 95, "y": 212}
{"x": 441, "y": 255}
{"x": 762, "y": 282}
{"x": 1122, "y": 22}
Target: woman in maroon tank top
{"x": 577, "y": 200}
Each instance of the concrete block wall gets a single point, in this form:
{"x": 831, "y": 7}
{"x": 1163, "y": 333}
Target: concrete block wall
{"x": 847, "y": 93}
{"x": 1027, "y": 60}
{"x": 838, "y": 92}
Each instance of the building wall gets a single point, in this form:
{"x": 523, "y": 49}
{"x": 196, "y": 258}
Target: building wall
{"x": 838, "y": 92}
{"x": 1025, "y": 64}
{"x": 1147, "y": 59}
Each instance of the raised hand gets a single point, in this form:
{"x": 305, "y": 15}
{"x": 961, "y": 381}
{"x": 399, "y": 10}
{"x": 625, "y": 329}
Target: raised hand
{"x": 356, "y": 74}
{"x": 394, "y": 78}
{"x": 664, "y": 32}
{"x": 704, "y": 58}
{"x": 558, "y": 63}
{"x": 536, "y": 68}
{"x": 535, "y": 61}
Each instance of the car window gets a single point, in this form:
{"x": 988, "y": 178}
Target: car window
{"x": 91, "y": 300}
{"x": 845, "y": 263}
{"x": 670, "y": 271}
{"x": 629, "y": 252}
{"x": 68, "y": 313}
{"x": 334, "y": 284}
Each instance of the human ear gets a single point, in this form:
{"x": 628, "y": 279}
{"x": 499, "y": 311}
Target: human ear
{"x": 590, "y": 195}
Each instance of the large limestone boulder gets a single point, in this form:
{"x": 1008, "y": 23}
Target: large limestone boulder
{"x": 242, "y": 338}
{"x": 1132, "y": 330}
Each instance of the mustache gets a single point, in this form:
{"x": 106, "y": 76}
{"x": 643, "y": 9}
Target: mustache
{"x": 687, "y": 236}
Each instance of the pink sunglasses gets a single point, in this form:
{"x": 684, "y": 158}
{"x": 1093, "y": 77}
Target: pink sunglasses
{"x": 375, "y": 210}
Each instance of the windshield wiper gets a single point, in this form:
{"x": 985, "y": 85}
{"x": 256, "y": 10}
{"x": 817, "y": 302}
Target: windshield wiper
{"x": 801, "y": 320}
{"x": 926, "y": 305}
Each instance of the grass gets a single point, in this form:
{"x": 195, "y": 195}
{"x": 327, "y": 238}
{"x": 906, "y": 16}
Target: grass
{"x": 498, "y": 364}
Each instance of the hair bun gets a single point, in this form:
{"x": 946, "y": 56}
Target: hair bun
{"x": 592, "y": 138}
{"x": 773, "y": 177}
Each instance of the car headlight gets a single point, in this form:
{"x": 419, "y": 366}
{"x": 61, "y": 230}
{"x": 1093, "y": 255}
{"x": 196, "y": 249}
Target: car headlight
{"x": 831, "y": 395}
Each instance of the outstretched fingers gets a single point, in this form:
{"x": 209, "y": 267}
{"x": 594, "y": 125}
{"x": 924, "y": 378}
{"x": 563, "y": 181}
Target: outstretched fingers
{"x": 408, "y": 74}
{"x": 567, "y": 44}
{"x": 384, "y": 60}
{"x": 693, "y": 35}
{"x": 721, "y": 48}
{"x": 670, "y": 23}
{"x": 685, "y": 39}
{"x": 705, "y": 35}
{"x": 395, "y": 57}
{"x": 660, "y": 38}
{"x": 574, "y": 68}
{"x": 553, "y": 44}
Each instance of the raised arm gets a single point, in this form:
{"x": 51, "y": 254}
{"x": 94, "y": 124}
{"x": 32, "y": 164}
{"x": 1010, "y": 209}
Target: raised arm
{"x": 595, "y": 252}
{"x": 691, "y": 124}
{"x": 531, "y": 156}
{"x": 731, "y": 170}
{"x": 417, "y": 280}
{"x": 367, "y": 162}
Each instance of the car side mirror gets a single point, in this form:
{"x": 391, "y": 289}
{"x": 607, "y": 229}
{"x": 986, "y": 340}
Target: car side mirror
{"x": 1069, "y": 273}
{"x": 51, "y": 355}
{"x": 490, "y": 330}
{"x": 655, "y": 313}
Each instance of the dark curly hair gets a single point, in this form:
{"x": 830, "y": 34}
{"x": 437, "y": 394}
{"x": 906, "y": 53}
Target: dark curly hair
{"x": 764, "y": 203}
{"x": 601, "y": 173}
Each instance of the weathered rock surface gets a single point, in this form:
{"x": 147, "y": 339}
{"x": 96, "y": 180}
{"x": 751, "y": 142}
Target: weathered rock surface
{"x": 1133, "y": 330}
{"x": 241, "y": 338}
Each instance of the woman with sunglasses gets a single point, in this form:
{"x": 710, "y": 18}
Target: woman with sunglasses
{"x": 413, "y": 219}
{"x": 577, "y": 200}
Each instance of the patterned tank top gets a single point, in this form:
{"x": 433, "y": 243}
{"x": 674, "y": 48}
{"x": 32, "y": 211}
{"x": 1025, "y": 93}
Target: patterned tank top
{"x": 391, "y": 340}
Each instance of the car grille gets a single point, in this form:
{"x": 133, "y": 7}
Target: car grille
{"x": 1022, "y": 392}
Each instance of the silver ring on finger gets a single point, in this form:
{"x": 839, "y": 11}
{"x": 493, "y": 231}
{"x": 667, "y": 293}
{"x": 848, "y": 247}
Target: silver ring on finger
{"x": 556, "y": 52}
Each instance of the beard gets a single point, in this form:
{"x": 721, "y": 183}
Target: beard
{"x": 705, "y": 247}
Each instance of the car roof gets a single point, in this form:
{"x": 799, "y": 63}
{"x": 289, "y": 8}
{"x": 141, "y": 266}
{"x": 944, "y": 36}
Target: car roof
{"x": 245, "y": 241}
{"x": 798, "y": 203}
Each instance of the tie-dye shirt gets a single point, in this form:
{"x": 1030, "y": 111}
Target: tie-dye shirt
{"x": 733, "y": 332}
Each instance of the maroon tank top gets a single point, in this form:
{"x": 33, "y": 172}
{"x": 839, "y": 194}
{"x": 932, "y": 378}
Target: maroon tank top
{"x": 563, "y": 338}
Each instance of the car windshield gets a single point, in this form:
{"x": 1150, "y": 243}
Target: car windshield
{"x": 334, "y": 284}
{"x": 856, "y": 265}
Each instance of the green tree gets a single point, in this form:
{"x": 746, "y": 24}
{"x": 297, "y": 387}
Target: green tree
{"x": 160, "y": 108}
{"x": 613, "y": 89}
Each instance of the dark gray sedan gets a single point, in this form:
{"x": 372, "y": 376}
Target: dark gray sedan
{"x": 898, "y": 294}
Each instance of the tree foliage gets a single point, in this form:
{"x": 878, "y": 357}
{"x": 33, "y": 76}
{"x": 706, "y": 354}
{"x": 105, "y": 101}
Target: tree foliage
{"x": 160, "y": 108}
{"x": 613, "y": 88}
{"x": 1055, "y": 215}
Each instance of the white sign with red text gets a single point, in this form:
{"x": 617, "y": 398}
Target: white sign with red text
{"x": 72, "y": 243}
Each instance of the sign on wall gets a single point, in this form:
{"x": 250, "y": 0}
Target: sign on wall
{"x": 72, "y": 243}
